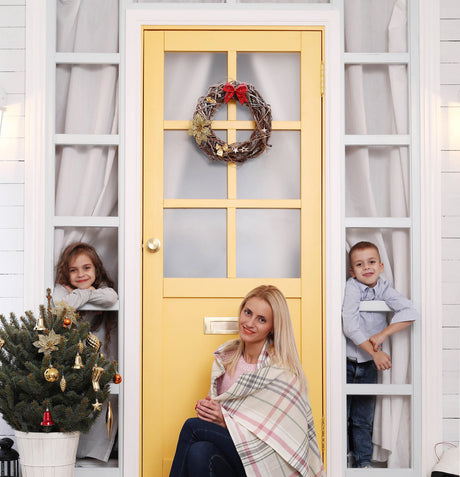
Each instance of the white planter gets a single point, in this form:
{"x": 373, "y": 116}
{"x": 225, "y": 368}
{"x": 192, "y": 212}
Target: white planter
{"x": 47, "y": 454}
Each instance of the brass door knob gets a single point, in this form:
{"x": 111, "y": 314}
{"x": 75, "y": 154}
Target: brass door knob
{"x": 153, "y": 245}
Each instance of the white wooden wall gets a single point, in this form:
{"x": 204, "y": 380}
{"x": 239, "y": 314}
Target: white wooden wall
{"x": 450, "y": 155}
{"x": 12, "y": 79}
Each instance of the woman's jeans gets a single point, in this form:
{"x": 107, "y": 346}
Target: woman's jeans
{"x": 360, "y": 413}
{"x": 205, "y": 449}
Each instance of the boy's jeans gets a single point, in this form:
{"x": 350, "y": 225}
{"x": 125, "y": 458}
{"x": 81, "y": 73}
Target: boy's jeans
{"x": 360, "y": 413}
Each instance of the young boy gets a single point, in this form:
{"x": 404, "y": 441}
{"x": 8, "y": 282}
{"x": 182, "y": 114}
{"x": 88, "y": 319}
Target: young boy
{"x": 365, "y": 332}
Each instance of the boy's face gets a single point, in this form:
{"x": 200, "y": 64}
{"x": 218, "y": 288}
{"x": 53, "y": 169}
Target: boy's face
{"x": 365, "y": 266}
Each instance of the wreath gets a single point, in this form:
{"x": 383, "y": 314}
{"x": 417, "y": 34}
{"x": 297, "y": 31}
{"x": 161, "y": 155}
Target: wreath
{"x": 214, "y": 147}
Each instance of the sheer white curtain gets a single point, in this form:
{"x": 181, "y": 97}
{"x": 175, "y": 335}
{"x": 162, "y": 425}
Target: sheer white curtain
{"x": 87, "y": 103}
{"x": 378, "y": 185}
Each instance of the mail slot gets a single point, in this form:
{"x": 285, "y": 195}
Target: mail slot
{"x": 218, "y": 325}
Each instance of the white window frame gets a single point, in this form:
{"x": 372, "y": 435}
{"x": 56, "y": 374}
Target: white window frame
{"x": 38, "y": 145}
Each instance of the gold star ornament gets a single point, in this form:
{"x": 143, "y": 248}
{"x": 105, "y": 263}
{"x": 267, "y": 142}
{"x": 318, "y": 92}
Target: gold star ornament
{"x": 97, "y": 405}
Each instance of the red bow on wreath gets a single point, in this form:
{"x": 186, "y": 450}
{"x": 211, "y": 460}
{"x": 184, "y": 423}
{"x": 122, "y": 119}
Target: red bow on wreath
{"x": 240, "y": 91}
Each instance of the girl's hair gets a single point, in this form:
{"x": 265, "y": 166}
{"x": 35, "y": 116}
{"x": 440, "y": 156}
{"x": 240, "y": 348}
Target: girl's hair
{"x": 71, "y": 252}
{"x": 281, "y": 348}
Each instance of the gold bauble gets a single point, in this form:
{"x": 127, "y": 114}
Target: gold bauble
{"x": 51, "y": 374}
{"x": 93, "y": 342}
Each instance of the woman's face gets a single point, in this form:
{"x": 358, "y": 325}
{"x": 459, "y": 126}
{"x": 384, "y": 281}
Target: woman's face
{"x": 82, "y": 273}
{"x": 256, "y": 321}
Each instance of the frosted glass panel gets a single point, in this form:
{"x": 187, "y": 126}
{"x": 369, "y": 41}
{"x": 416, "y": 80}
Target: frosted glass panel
{"x": 195, "y": 243}
{"x": 188, "y": 172}
{"x": 387, "y": 168}
{"x": 376, "y": 99}
{"x": 375, "y": 26}
{"x": 187, "y": 77}
{"x": 275, "y": 174}
{"x": 276, "y": 76}
{"x": 267, "y": 243}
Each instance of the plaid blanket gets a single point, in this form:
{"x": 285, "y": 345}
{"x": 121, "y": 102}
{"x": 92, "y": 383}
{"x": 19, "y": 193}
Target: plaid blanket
{"x": 270, "y": 421}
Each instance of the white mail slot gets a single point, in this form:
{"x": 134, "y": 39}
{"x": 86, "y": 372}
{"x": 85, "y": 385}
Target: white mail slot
{"x": 220, "y": 325}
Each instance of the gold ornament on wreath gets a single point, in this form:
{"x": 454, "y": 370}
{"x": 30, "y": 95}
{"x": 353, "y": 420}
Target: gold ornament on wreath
{"x": 215, "y": 148}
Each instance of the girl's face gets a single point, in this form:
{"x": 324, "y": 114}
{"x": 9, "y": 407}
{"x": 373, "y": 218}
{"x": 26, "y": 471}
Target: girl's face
{"x": 82, "y": 273}
{"x": 256, "y": 321}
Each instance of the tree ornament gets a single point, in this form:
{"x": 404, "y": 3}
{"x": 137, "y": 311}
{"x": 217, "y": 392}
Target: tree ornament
{"x": 67, "y": 322}
{"x": 93, "y": 342}
{"x": 51, "y": 374}
{"x": 109, "y": 419}
{"x": 63, "y": 383}
{"x": 47, "y": 343}
{"x": 117, "y": 379}
{"x": 97, "y": 373}
{"x": 40, "y": 326}
{"x": 214, "y": 147}
{"x": 47, "y": 419}
{"x": 2, "y": 342}
{"x": 97, "y": 406}
{"x": 80, "y": 347}
{"x": 78, "y": 362}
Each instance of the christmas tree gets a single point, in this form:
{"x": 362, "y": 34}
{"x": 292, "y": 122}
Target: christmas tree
{"x": 53, "y": 376}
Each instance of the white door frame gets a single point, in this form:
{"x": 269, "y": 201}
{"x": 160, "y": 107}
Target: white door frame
{"x": 333, "y": 152}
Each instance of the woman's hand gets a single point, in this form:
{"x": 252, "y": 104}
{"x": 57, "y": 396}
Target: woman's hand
{"x": 210, "y": 411}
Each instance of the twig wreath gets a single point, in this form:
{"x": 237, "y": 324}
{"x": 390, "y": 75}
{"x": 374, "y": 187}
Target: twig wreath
{"x": 215, "y": 148}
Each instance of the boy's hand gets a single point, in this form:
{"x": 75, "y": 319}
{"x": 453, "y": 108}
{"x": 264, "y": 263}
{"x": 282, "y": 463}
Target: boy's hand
{"x": 382, "y": 360}
{"x": 377, "y": 340}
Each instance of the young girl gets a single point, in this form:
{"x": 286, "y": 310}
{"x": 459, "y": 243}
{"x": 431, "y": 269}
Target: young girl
{"x": 257, "y": 418}
{"x": 80, "y": 279}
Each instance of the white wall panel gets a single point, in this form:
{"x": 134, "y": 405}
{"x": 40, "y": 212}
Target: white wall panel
{"x": 450, "y": 29}
{"x": 450, "y": 51}
{"x": 12, "y": 60}
{"x": 11, "y": 305}
{"x": 451, "y": 271}
{"x": 451, "y": 359}
{"x": 450, "y": 161}
{"x": 11, "y": 239}
{"x": 450, "y": 127}
{"x": 12, "y": 38}
{"x": 11, "y": 149}
{"x": 13, "y": 16}
{"x": 451, "y": 315}
{"x": 13, "y": 82}
{"x": 451, "y": 249}
{"x": 11, "y": 172}
{"x": 450, "y": 95}
{"x": 11, "y": 194}
{"x": 451, "y": 227}
{"x": 11, "y": 286}
{"x": 450, "y": 73}
{"x": 451, "y": 293}
{"x": 451, "y": 405}
{"x": 451, "y": 430}
{"x": 449, "y": 9}
{"x": 451, "y": 338}
{"x": 451, "y": 382}
{"x": 11, "y": 218}
{"x": 11, "y": 262}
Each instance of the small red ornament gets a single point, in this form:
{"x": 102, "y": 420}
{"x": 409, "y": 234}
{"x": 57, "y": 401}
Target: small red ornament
{"x": 67, "y": 322}
{"x": 47, "y": 420}
{"x": 117, "y": 379}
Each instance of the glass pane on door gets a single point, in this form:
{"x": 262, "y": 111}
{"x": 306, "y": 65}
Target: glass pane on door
{"x": 187, "y": 77}
{"x": 188, "y": 172}
{"x": 195, "y": 243}
{"x": 267, "y": 243}
{"x": 276, "y": 76}
{"x": 274, "y": 174}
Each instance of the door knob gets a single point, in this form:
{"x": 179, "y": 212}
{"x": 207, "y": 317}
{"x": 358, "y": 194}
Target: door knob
{"x": 153, "y": 245}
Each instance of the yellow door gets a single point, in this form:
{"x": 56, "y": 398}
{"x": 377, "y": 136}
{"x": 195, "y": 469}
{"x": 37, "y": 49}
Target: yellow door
{"x": 223, "y": 229}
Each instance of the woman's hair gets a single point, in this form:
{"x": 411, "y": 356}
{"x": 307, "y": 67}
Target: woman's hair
{"x": 281, "y": 342}
{"x": 70, "y": 253}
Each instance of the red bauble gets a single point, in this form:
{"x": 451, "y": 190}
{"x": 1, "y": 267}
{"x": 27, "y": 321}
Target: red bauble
{"x": 67, "y": 321}
{"x": 117, "y": 379}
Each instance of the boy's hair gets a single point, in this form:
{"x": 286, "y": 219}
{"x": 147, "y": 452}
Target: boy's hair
{"x": 71, "y": 252}
{"x": 361, "y": 246}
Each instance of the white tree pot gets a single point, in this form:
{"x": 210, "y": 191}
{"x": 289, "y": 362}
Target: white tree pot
{"x": 47, "y": 454}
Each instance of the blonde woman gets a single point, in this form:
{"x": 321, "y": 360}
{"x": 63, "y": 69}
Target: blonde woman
{"x": 257, "y": 418}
